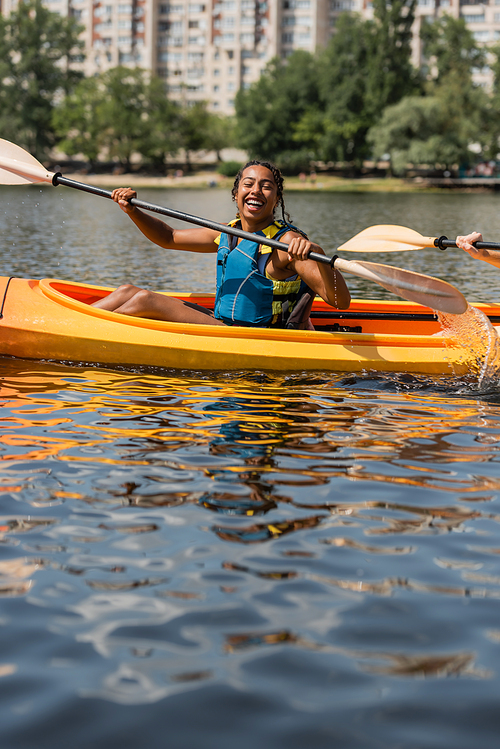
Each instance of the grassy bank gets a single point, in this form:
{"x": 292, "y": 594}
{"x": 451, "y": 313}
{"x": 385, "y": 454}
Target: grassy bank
{"x": 324, "y": 183}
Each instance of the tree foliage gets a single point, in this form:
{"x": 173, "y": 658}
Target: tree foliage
{"x": 119, "y": 113}
{"x": 439, "y": 126}
{"x": 269, "y": 111}
{"x": 321, "y": 106}
{"x": 36, "y": 47}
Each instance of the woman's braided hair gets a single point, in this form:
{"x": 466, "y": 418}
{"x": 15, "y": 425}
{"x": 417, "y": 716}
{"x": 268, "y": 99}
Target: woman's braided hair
{"x": 278, "y": 178}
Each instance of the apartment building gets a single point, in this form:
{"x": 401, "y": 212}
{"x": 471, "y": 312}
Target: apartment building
{"x": 208, "y": 50}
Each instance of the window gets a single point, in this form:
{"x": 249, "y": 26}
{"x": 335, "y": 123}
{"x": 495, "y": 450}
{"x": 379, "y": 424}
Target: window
{"x": 343, "y": 4}
{"x": 230, "y": 86}
{"x": 287, "y": 38}
{"x": 474, "y": 18}
{"x": 124, "y": 9}
{"x": 104, "y": 10}
{"x": 289, "y": 20}
{"x": 196, "y": 8}
{"x": 192, "y": 24}
{"x": 216, "y": 88}
{"x": 481, "y": 36}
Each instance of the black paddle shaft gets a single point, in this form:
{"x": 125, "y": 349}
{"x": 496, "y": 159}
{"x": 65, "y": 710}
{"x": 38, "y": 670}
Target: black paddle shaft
{"x": 58, "y": 179}
{"x": 443, "y": 243}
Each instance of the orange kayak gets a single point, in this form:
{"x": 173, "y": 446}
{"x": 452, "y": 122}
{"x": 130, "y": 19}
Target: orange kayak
{"x": 53, "y": 319}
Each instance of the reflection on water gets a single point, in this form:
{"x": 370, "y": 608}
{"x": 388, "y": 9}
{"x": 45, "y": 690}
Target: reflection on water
{"x": 319, "y": 553}
{"x": 251, "y": 559}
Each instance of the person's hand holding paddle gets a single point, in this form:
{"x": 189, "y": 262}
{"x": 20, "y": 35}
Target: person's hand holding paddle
{"x": 466, "y": 243}
{"x": 123, "y": 196}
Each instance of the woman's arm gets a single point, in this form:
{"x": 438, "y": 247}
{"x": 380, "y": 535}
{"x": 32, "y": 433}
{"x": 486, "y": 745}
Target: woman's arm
{"x": 465, "y": 243}
{"x": 157, "y": 231}
{"x": 327, "y": 283}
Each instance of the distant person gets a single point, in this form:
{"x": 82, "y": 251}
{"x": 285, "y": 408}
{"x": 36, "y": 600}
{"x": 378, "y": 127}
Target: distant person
{"x": 256, "y": 285}
{"x": 465, "y": 243}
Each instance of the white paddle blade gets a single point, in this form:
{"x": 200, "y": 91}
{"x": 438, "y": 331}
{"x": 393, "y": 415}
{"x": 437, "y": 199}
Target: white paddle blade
{"x": 18, "y": 167}
{"x": 387, "y": 238}
{"x": 415, "y": 287}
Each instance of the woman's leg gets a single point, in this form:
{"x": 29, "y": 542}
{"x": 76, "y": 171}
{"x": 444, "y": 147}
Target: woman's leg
{"x": 131, "y": 300}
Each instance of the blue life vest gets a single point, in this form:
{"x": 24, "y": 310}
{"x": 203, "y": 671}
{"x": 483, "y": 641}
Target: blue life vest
{"x": 245, "y": 295}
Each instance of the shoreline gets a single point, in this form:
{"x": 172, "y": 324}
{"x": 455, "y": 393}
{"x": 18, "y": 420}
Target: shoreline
{"x": 323, "y": 183}
{"x": 213, "y": 180}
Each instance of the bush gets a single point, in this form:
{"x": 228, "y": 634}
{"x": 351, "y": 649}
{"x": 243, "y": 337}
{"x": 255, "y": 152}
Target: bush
{"x": 229, "y": 168}
{"x": 293, "y": 162}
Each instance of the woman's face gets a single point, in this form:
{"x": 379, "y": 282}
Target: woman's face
{"x": 257, "y": 194}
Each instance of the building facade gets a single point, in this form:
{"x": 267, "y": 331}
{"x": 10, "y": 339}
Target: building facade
{"x": 208, "y": 50}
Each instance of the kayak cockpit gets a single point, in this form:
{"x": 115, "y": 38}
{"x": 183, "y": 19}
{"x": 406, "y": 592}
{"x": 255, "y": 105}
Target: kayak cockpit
{"x": 389, "y": 317}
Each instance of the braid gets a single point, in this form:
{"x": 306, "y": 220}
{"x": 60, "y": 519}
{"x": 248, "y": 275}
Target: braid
{"x": 278, "y": 178}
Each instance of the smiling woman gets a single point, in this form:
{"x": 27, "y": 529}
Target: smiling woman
{"x": 256, "y": 285}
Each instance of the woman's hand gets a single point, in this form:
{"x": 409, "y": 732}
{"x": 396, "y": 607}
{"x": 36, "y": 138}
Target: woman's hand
{"x": 123, "y": 196}
{"x": 465, "y": 243}
{"x": 489, "y": 256}
{"x": 300, "y": 247}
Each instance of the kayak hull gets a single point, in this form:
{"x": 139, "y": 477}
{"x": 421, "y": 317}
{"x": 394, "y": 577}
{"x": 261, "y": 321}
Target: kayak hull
{"x": 52, "y": 319}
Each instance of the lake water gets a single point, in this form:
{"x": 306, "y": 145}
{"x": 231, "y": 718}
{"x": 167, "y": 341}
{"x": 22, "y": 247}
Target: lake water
{"x": 245, "y": 560}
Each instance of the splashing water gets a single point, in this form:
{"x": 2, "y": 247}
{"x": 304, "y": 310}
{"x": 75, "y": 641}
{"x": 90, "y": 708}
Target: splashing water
{"x": 477, "y": 342}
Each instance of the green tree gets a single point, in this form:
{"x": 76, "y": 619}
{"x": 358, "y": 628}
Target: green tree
{"x": 122, "y": 111}
{"x": 36, "y": 48}
{"x": 77, "y": 121}
{"x": 449, "y": 47}
{"x": 194, "y": 129}
{"x": 426, "y": 130}
{"x": 122, "y": 114}
{"x": 492, "y": 118}
{"x": 438, "y": 127}
{"x": 161, "y": 119}
{"x": 366, "y": 67}
{"x": 269, "y": 111}
{"x": 220, "y": 133}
